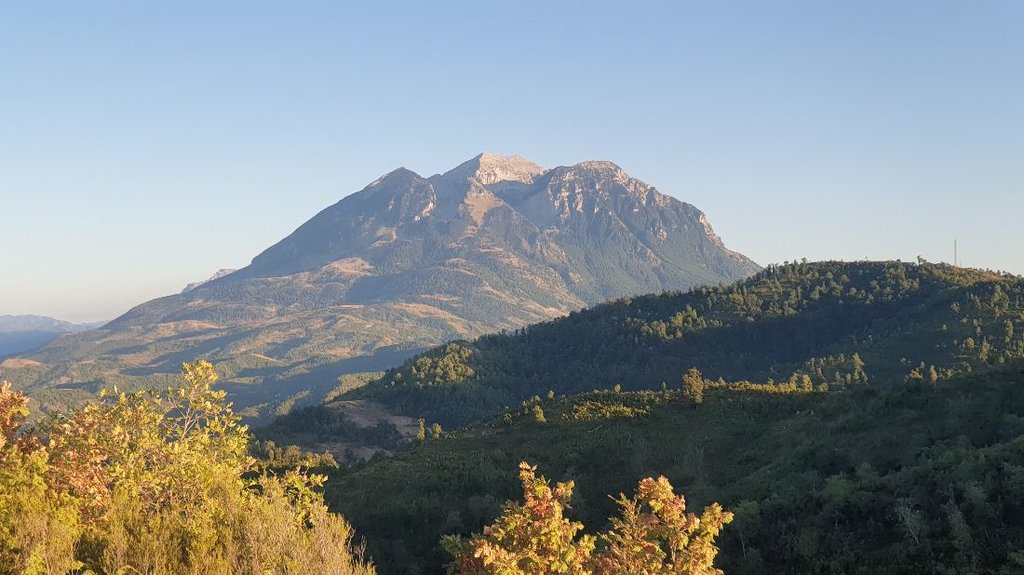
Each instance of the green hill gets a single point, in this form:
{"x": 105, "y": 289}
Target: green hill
{"x": 902, "y": 479}
{"x": 831, "y": 322}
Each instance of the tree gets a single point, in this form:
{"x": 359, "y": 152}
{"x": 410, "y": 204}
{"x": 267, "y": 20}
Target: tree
{"x": 158, "y": 483}
{"x": 693, "y": 386}
{"x": 529, "y": 538}
{"x": 858, "y": 368}
{"x": 538, "y": 414}
{"x": 421, "y": 433}
{"x": 653, "y": 536}
{"x": 38, "y": 527}
{"x": 435, "y": 431}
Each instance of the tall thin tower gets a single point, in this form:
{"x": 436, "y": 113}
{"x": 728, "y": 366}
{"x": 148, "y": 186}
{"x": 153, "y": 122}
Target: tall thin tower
{"x": 956, "y": 249}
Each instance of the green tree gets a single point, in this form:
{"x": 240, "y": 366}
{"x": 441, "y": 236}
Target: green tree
{"x": 435, "y": 431}
{"x": 693, "y": 386}
{"x": 538, "y": 414}
{"x": 421, "y": 432}
{"x": 38, "y": 526}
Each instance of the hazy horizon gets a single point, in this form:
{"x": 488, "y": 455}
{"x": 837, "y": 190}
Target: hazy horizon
{"x": 146, "y": 147}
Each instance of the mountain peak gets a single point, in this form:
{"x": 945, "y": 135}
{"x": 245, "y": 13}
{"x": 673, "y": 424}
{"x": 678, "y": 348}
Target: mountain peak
{"x": 220, "y": 273}
{"x": 489, "y": 169}
{"x": 400, "y": 174}
{"x": 598, "y": 166}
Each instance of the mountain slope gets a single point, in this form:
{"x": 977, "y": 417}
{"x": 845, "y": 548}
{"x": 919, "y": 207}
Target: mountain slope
{"x": 408, "y": 262}
{"x": 866, "y": 479}
{"x": 833, "y": 322}
{"x": 869, "y": 420}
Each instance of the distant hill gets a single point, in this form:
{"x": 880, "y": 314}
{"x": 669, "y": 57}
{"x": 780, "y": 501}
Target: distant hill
{"x": 833, "y": 322}
{"x": 21, "y": 333}
{"x": 408, "y": 262}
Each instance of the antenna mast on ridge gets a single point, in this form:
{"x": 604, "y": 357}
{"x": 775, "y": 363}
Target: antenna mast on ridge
{"x": 955, "y": 250}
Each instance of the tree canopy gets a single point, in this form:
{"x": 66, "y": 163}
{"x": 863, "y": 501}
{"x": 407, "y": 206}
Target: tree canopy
{"x": 653, "y": 535}
{"x": 157, "y": 483}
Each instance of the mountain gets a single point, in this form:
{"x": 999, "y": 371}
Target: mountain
{"x": 21, "y": 333}
{"x": 408, "y": 262}
{"x": 220, "y": 273}
{"x": 833, "y": 322}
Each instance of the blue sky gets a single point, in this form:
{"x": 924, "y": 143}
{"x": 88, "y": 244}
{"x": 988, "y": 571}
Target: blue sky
{"x": 144, "y": 145}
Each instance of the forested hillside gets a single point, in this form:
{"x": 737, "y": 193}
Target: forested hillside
{"x": 910, "y": 478}
{"x": 830, "y": 323}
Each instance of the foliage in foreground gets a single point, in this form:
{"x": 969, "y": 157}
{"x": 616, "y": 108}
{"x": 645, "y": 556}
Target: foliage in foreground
{"x": 157, "y": 483}
{"x": 654, "y": 535}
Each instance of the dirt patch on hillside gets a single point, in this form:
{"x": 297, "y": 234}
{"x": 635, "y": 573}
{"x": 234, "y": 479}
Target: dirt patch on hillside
{"x": 18, "y": 363}
{"x": 365, "y": 414}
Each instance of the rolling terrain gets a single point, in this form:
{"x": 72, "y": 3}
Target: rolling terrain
{"x": 902, "y": 479}
{"x": 856, "y": 417}
{"x": 831, "y": 322}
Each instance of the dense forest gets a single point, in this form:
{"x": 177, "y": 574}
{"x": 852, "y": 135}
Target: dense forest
{"x": 833, "y": 322}
{"x": 920, "y": 477}
{"x": 855, "y": 417}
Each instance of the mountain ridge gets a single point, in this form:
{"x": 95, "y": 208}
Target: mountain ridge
{"x": 23, "y": 333}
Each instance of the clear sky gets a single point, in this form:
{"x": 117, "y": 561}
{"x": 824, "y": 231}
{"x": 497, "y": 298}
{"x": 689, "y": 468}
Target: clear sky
{"x": 144, "y": 145}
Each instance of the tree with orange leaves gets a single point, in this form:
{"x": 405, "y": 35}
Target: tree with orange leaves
{"x": 653, "y": 536}
{"x": 530, "y": 538}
